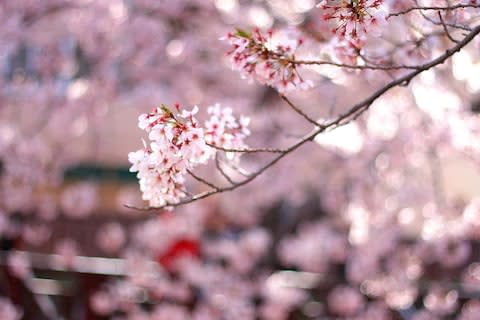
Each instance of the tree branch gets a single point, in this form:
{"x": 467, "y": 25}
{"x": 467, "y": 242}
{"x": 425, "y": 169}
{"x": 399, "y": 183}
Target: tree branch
{"x": 353, "y": 112}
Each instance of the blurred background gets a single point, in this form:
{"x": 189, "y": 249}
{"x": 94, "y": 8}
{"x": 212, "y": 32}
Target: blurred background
{"x": 377, "y": 221}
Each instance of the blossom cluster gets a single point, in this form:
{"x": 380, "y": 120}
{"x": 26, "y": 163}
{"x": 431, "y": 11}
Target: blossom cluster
{"x": 258, "y": 58}
{"x": 8, "y": 311}
{"x": 353, "y": 19}
{"x": 178, "y": 143}
{"x": 223, "y": 129}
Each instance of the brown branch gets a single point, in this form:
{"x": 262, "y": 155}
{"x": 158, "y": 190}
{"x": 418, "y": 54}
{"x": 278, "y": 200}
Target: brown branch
{"x": 222, "y": 172}
{"x": 451, "y": 25}
{"x": 205, "y": 182}
{"x": 444, "y": 8}
{"x": 445, "y": 28}
{"x": 352, "y": 66}
{"x": 300, "y": 111}
{"x": 352, "y": 113}
{"x": 247, "y": 150}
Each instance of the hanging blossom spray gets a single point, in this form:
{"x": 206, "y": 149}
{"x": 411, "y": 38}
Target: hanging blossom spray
{"x": 258, "y": 57}
{"x": 177, "y": 143}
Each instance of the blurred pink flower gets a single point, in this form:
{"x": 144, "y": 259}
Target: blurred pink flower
{"x": 345, "y": 301}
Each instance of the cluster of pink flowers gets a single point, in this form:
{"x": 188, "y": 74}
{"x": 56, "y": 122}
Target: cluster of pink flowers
{"x": 8, "y": 311}
{"x": 176, "y": 146}
{"x": 353, "y": 18}
{"x": 352, "y": 22}
{"x": 346, "y": 51}
{"x": 258, "y": 58}
{"x": 178, "y": 143}
{"x": 223, "y": 129}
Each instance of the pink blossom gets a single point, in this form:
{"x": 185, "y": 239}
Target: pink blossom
{"x": 177, "y": 145}
{"x": 354, "y": 19}
{"x": 111, "y": 237}
{"x": 79, "y": 200}
{"x": 102, "y": 303}
{"x": 67, "y": 249}
{"x": 345, "y": 301}
{"x": 258, "y": 57}
{"x": 8, "y": 311}
{"x": 19, "y": 265}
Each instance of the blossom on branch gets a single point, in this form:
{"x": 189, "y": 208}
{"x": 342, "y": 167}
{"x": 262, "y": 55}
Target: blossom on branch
{"x": 178, "y": 143}
{"x": 223, "y": 130}
{"x": 354, "y": 18}
{"x": 258, "y": 58}
{"x": 9, "y": 311}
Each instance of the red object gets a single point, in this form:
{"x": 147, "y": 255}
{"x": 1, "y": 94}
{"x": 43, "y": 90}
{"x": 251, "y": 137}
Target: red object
{"x": 181, "y": 248}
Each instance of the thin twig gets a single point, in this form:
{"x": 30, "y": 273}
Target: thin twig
{"x": 247, "y": 150}
{"x": 202, "y": 180}
{"x": 447, "y": 33}
{"x": 420, "y": 8}
{"x": 300, "y": 111}
{"x": 222, "y": 172}
{"x": 352, "y": 66}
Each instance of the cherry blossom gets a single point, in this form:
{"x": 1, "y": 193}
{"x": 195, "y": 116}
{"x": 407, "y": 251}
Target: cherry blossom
{"x": 111, "y": 237}
{"x": 258, "y": 56}
{"x": 19, "y": 265}
{"x": 177, "y": 145}
{"x": 354, "y": 19}
{"x": 8, "y": 311}
{"x": 345, "y": 301}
